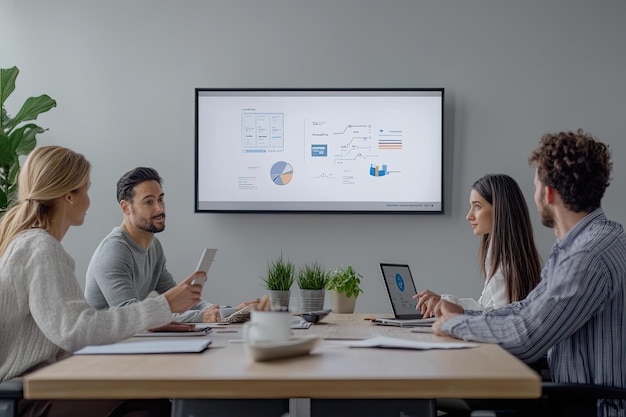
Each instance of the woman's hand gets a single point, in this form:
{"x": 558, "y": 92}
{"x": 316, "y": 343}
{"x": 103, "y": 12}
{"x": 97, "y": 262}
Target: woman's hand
{"x": 427, "y": 302}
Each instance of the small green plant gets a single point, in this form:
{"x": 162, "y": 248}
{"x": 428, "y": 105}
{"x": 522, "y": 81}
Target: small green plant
{"x": 16, "y": 137}
{"x": 345, "y": 280}
{"x": 280, "y": 275}
{"x": 312, "y": 277}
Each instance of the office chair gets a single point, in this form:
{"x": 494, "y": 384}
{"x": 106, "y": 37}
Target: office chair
{"x": 560, "y": 400}
{"x": 573, "y": 400}
{"x": 10, "y": 393}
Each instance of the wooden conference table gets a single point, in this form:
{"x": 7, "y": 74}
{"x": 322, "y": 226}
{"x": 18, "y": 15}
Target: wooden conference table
{"x": 370, "y": 379}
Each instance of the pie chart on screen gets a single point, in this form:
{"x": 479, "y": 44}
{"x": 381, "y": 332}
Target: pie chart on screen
{"x": 281, "y": 173}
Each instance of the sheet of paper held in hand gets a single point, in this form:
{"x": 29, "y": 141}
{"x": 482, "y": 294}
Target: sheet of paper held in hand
{"x": 395, "y": 343}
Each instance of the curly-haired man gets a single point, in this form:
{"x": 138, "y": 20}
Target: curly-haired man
{"x": 576, "y": 315}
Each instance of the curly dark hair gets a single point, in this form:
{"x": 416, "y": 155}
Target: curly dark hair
{"x": 577, "y": 165}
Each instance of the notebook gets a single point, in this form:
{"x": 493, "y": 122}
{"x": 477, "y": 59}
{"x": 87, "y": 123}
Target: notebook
{"x": 133, "y": 347}
{"x": 401, "y": 289}
{"x": 199, "y": 329}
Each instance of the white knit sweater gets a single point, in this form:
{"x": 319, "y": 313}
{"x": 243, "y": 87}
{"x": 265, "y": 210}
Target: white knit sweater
{"x": 43, "y": 314}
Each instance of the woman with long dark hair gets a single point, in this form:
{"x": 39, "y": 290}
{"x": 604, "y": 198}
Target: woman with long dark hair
{"x": 509, "y": 262}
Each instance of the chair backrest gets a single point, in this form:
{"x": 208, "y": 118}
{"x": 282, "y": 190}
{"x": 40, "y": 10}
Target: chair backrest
{"x": 10, "y": 393}
{"x": 574, "y": 400}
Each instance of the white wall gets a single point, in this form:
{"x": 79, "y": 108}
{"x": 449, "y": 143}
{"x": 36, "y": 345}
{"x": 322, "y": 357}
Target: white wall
{"x": 124, "y": 72}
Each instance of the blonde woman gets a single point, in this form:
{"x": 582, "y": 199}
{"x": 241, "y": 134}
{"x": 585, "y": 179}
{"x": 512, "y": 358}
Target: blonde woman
{"x": 43, "y": 314}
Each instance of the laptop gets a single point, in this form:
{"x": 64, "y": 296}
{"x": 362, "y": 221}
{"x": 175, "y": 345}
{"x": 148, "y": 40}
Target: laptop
{"x": 401, "y": 289}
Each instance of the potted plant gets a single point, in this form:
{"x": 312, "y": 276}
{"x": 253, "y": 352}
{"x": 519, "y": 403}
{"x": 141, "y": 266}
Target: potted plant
{"x": 344, "y": 284}
{"x": 16, "y": 137}
{"x": 278, "y": 280}
{"x": 312, "y": 280}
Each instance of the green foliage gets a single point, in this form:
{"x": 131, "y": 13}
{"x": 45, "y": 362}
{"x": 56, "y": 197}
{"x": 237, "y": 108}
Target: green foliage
{"x": 312, "y": 277}
{"x": 280, "y": 275}
{"x": 345, "y": 280}
{"x": 16, "y": 137}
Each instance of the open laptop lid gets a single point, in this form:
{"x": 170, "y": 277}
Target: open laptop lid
{"x": 401, "y": 289}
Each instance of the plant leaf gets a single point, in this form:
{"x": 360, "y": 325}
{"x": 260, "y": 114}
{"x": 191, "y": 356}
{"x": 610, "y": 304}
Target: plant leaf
{"x": 23, "y": 140}
{"x": 15, "y": 169}
{"x": 3, "y": 201}
{"x": 280, "y": 274}
{"x": 7, "y": 82}
{"x": 6, "y": 153}
{"x": 32, "y": 107}
{"x": 346, "y": 280}
{"x": 4, "y": 121}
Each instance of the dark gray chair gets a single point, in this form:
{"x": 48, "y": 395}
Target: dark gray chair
{"x": 558, "y": 400}
{"x": 574, "y": 400}
{"x": 10, "y": 393}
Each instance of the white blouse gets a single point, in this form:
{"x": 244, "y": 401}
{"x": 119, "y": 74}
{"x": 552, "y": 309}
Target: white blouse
{"x": 492, "y": 297}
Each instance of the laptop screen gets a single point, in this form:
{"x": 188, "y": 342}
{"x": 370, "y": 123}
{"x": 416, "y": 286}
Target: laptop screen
{"x": 401, "y": 289}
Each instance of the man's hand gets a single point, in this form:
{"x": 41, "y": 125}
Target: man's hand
{"x": 211, "y": 314}
{"x": 427, "y": 302}
{"x": 444, "y": 311}
{"x": 184, "y": 295}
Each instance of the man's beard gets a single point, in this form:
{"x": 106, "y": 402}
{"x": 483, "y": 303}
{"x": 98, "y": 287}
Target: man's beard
{"x": 151, "y": 228}
{"x": 547, "y": 217}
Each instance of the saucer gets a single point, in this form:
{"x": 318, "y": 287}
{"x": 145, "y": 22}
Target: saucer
{"x": 296, "y": 346}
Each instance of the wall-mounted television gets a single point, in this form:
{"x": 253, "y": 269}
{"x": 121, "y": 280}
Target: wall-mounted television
{"x": 319, "y": 150}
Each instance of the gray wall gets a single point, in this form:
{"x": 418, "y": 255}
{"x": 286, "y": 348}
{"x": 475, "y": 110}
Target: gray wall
{"x": 124, "y": 73}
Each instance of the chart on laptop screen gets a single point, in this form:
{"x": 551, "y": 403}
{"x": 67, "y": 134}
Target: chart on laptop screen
{"x": 401, "y": 288}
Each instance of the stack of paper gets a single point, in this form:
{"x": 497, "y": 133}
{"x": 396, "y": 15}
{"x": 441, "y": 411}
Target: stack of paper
{"x": 392, "y": 342}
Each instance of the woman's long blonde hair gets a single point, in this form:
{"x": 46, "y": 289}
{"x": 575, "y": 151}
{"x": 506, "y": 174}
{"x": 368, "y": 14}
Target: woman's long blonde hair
{"x": 48, "y": 173}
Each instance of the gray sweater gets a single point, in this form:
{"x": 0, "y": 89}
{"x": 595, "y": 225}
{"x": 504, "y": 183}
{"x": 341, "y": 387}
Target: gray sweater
{"x": 121, "y": 272}
{"x": 43, "y": 314}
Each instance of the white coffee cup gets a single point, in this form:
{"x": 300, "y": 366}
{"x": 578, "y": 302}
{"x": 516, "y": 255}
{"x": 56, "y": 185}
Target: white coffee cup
{"x": 268, "y": 326}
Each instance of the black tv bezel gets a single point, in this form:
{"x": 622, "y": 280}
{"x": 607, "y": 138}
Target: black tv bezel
{"x": 198, "y": 90}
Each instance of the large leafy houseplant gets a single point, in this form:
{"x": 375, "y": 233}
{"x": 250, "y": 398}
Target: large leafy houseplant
{"x": 17, "y": 137}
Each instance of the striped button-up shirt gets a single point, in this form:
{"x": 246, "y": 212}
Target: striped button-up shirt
{"x": 577, "y": 313}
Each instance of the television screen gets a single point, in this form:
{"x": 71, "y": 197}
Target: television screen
{"x": 319, "y": 150}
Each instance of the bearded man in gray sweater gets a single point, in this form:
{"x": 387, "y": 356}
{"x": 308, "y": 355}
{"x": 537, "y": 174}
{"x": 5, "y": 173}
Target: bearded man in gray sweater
{"x": 129, "y": 263}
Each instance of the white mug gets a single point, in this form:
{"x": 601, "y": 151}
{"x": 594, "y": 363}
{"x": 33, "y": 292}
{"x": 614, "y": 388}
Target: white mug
{"x": 268, "y": 326}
